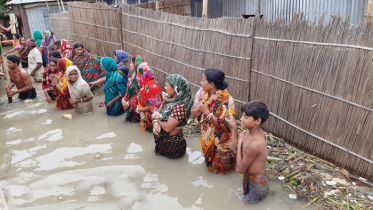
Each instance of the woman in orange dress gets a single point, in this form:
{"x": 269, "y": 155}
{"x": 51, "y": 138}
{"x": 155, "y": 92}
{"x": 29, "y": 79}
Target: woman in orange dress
{"x": 61, "y": 83}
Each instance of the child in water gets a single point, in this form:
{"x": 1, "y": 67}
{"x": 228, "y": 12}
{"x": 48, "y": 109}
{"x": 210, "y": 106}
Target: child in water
{"x": 251, "y": 149}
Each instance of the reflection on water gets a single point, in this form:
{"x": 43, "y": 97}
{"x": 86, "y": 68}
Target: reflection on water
{"x": 100, "y": 162}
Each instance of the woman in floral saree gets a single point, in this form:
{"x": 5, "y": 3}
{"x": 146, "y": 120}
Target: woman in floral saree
{"x": 214, "y": 107}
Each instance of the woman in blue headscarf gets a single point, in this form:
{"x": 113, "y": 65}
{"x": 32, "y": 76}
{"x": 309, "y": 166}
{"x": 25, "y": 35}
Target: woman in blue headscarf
{"x": 121, "y": 58}
{"x": 115, "y": 88}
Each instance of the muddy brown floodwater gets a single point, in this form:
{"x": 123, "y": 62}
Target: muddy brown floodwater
{"x": 101, "y": 162}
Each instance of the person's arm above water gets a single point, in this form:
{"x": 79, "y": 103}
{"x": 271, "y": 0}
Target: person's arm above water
{"x": 7, "y": 29}
{"x": 12, "y": 50}
{"x": 28, "y": 85}
{"x": 99, "y": 81}
{"x": 244, "y": 161}
{"x": 233, "y": 124}
{"x": 38, "y": 65}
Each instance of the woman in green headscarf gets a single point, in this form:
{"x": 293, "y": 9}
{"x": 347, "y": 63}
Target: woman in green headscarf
{"x": 115, "y": 88}
{"x": 38, "y": 36}
{"x": 173, "y": 115}
{"x": 129, "y": 101}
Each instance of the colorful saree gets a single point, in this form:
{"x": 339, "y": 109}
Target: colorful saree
{"x": 88, "y": 65}
{"x": 122, "y": 61}
{"x": 150, "y": 94}
{"x": 63, "y": 95}
{"x": 47, "y": 44}
{"x": 132, "y": 91}
{"x": 115, "y": 85}
{"x": 66, "y": 48}
{"x": 219, "y": 155}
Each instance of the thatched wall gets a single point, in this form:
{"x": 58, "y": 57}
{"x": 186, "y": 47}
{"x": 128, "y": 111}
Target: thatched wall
{"x": 97, "y": 26}
{"x": 60, "y": 23}
{"x": 316, "y": 80}
{"x": 177, "y": 7}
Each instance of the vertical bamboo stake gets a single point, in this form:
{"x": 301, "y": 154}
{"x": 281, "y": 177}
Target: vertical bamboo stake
{"x": 63, "y": 7}
{"x": 369, "y": 12}
{"x": 124, "y": 2}
{"x": 204, "y": 9}
{"x": 157, "y": 6}
{"x": 258, "y": 8}
{"x": 47, "y": 6}
{"x": 139, "y": 1}
{"x": 59, "y": 6}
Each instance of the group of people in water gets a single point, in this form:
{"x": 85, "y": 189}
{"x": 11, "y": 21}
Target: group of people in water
{"x": 72, "y": 72}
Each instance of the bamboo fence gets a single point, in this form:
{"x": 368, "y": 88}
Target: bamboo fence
{"x": 60, "y": 23}
{"x": 316, "y": 80}
{"x": 97, "y": 26}
{"x": 177, "y": 7}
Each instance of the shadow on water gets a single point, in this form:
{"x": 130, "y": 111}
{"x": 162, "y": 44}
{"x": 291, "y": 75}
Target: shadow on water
{"x": 97, "y": 162}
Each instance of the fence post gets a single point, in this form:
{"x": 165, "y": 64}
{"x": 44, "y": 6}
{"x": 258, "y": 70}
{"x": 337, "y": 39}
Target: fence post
{"x": 205, "y": 8}
{"x": 258, "y": 8}
{"x": 369, "y": 12}
{"x": 157, "y": 6}
{"x": 124, "y": 2}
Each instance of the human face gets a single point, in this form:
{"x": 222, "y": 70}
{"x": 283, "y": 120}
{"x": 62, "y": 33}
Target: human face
{"x": 73, "y": 76}
{"x": 206, "y": 85}
{"x": 14, "y": 37}
{"x": 249, "y": 122}
{"x": 53, "y": 66}
{"x": 45, "y": 35}
{"x": 56, "y": 47}
{"x": 11, "y": 65}
{"x": 132, "y": 66}
{"x": 22, "y": 41}
{"x": 115, "y": 58}
{"x": 170, "y": 90}
{"x": 79, "y": 51}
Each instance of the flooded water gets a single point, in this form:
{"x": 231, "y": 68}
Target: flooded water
{"x": 100, "y": 162}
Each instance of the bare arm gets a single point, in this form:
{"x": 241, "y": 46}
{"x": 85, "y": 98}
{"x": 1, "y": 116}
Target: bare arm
{"x": 7, "y": 29}
{"x": 195, "y": 112}
{"x": 99, "y": 81}
{"x": 12, "y": 50}
{"x": 146, "y": 109}
{"x": 27, "y": 81}
{"x": 35, "y": 69}
{"x": 168, "y": 125}
{"x": 243, "y": 162}
{"x": 233, "y": 124}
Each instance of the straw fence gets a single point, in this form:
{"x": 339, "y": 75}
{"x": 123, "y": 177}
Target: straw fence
{"x": 316, "y": 80}
{"x": 60, "y": 23}
{"x": 97, "y": 26}
{"x": 178, "y": 7}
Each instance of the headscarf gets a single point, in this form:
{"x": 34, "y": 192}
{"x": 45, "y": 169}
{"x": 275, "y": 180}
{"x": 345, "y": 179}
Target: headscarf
{"x": 122, "y": 60}
{"x": 38, "y": 36}
{"x": 183, "y": 95}
{"x": 88, "y": 64}
{"x": 31, "y": 43}
{"x": 62, "y": 64}
{"x": 47, "y": 43}
{"x": 133, "y": 88}
{"x": 144, "y": 74}
{"x": 113, "y": 76}
{"x": 80, "y": 87}
{"x": 66, "y": 48}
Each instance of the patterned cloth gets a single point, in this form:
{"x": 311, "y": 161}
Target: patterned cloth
{"x": 66, "y": 48}
{"x": 183, "y": 95}
{"x": 47, "y": 83}
{"x": 38, "y": 36}
{"x": 170, "y": 146}
{"x": 88, "y": 65}
{"x": 219, "y": 155}
{"x": 47, "y": 44}
{"x": 150, "y": 94}
{"x": 115, "y": 85}
{"x": 23, "y": 53}
{"x": 255, "y": 188}
{"x": 132, "y": 91}
{"x": 63, "y": 94}
{"x": 122, "y": 61}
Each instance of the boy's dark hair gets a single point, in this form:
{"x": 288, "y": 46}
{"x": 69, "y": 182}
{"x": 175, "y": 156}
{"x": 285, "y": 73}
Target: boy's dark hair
{"x": 256, "y": 109}
{"x": 14, "y": 59}
{"x": 57, "y": 43}
{"x": 56, "y": 54}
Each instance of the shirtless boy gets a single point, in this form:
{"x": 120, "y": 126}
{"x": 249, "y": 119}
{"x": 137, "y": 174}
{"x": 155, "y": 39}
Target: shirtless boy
{"x": 19, "y": 78}
{"x": 251, "y": 149}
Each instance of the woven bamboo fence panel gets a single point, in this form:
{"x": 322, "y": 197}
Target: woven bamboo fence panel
{"x": 97, "y": 26}
{"x": 174, "y": 44}
{"x": 178, "y": 7}
{"x": 318, "y": 84}
{"x": 60, "y": 23}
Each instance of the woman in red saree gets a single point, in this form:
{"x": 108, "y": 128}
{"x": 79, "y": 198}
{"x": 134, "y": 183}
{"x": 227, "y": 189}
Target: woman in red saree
{"x": 149, "y": 97}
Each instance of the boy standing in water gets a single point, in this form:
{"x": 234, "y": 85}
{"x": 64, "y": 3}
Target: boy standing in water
{"x": 251, "y": 149}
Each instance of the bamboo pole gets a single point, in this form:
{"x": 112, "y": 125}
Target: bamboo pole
{"x": 157, "y": 6}
{"x": 46, "y": 1}
{"x": 369, "y": 12}
{"x": 258, "y": 8}
{"x": 124, "y": 2}
{"x": 139, "y": 1}
{"x": 59, "y": 6}
{"x": 205, "y": 8}
{"x": 63, "y": 7}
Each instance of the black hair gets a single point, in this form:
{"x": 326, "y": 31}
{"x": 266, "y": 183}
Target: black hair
{"x": 14, "y": 59}
{"x": 115, "y": 53}
{"x": 22, "y": 38}
{"x": 17, "y": 35}
{"x": 78, "y": 44}
{"x": 54, "y": 60}
{"x": 256, "y": 109}
{"x": 56, "y": 54}
{"x": 217, "y": 77}
{"x": 133, "y": 59}
{"x": 57, "y": 43}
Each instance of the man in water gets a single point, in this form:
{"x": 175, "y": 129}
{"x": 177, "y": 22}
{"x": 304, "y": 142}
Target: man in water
{"x": 19, "y": 78}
